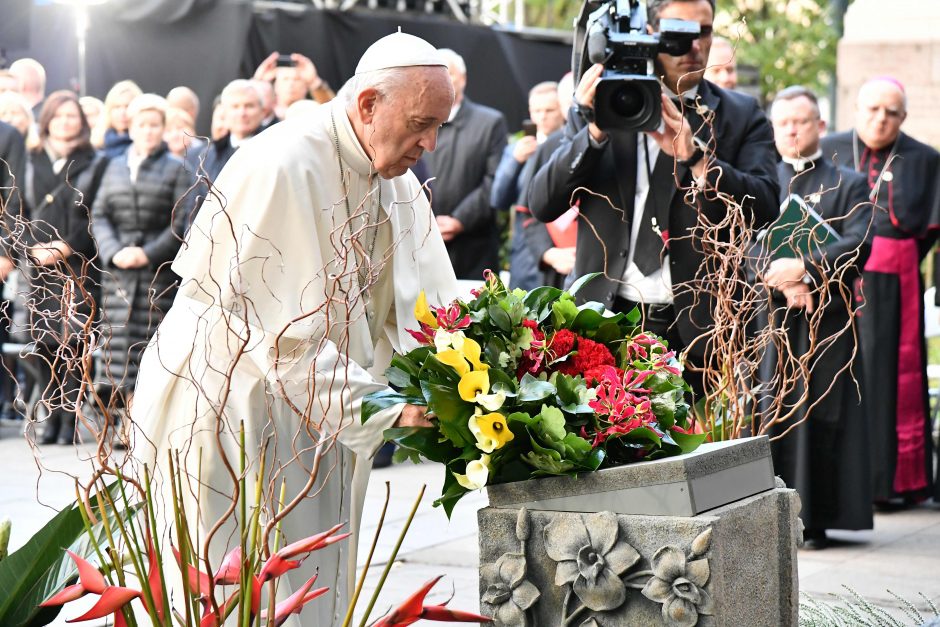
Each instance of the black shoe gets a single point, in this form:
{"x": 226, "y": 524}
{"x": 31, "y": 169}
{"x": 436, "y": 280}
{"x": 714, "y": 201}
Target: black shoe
{"x": 383, "y": 459}
{"x": 815, "y": 539}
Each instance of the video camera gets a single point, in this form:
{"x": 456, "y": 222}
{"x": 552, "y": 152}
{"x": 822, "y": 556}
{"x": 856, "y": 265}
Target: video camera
{"x": 614, "y": 33}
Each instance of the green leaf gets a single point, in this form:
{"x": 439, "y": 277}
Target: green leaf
{"x": 552, "y": 424}
{"x": 582, "y": 281}
{"x": 541, "y": 301}
{"x": 423, "y": 440}
{"x": 664, "y": 406}
{"x": 688, "y": 442}
{"x": 437, "y": 372}
{"x": 501, "y": 382}
{"x": 633, "y": 316}
{"x": 532, "y": 389}
{"x": 383, "y": 399}
{"x": 500, "y": 319}
{"x": 564, "y": 311}
{"x": 590, "y": 319}
{"x": 452, "y": 412}
{"x": 522, "y": 418}
{"x": 451, "y": 493}
{"x": 397, "y": 377}
{"x": 577, "y": 447}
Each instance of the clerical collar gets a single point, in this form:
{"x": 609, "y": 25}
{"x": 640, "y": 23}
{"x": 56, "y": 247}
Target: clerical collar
{"x": 454, "y": 111}
{"x": 801, "y": 163}
{"x": 351, "y": 151}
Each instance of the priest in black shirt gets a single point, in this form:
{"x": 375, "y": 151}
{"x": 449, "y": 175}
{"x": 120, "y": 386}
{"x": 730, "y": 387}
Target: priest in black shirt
{"x": 904, "y": 181}
{"x": 826, "y": 457}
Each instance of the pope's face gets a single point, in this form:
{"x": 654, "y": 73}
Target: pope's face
{"x": 405, "y": 121}
{"x": 797, "y": 127}
{"x": 879, "y": 114}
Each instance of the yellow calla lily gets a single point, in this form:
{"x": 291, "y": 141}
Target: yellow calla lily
{"x": 423, "y": 312}
{"x": 490, "y": 431}
{"x": 473, "y": 383}
{"x": 455, "y": 360}
{"x": 472, "y": 351}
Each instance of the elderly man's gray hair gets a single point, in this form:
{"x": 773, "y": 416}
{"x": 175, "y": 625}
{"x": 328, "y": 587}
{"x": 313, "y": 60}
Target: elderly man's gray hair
{"x": 453, "y": 59}
{"x": 240, "y": 86}
{"x": 383, "y": 81}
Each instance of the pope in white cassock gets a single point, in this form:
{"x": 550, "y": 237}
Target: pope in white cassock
{"x": 310, "y": 254}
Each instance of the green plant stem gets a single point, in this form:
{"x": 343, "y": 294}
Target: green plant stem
{"x": 365, "y": 569}
{"x": 245, "y": 618}
{"x": 391, "y": 559}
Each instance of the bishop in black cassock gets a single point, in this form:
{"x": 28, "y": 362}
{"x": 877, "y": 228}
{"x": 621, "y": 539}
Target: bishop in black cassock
{"x": 902, "y": 174}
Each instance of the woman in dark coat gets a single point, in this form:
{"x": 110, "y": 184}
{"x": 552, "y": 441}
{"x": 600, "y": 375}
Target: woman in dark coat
{"x": 62, "y": 178}
{"x": 138, "y": 220}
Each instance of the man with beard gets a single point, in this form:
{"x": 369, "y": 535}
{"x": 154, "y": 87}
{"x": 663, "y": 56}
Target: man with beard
{"x": 902, "y": 177}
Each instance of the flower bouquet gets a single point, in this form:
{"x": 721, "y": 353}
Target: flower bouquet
{"x": 527, "y": 384}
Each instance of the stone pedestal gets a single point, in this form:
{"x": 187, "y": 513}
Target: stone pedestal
{"x": 731, "y": 564}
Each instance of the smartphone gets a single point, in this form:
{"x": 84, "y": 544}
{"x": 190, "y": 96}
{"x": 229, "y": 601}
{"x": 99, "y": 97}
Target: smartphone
{"x": 284, "y": 60}
{"x": 529, "y": 129}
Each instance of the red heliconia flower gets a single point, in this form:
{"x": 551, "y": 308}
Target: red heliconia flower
{"x": 295, "y": 602}
{"x": 89, "y": 580}
{"x": 197, "y": 582}
{"x": 230, "y": 571}
{"x": 211, "y": 619}
{"x": 154, "y": 578}
{"x": 111, "y": 601}
{"x": 281, "y": 562}
{"x": 413, "y": 609}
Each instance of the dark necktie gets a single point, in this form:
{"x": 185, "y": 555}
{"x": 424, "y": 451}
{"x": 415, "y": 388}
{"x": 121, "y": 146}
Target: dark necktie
{"x": 648, "y": 249}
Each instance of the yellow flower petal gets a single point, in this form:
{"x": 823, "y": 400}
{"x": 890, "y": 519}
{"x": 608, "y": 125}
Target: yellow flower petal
{"x": 472, "y": 351}
{"x": 455, "y": 360}
{"x": 423, "y": 312}
{"x": 493, "y": 427}
{"x": 473, "y": 383}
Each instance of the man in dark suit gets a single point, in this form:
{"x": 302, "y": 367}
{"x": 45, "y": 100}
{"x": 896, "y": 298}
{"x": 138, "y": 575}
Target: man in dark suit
{"x": 469, "y": 147}
{"x": 643, "y": 236}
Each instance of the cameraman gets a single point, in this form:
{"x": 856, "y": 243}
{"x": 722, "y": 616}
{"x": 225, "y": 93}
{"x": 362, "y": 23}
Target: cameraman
{"x": 638, "y": 224}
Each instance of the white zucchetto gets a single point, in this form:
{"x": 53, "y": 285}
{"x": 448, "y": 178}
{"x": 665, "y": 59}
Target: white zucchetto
{"x": 398, "y": 50}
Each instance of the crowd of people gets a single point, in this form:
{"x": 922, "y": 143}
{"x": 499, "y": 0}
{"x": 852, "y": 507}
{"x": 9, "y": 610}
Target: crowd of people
{"x": 107, "y": 189}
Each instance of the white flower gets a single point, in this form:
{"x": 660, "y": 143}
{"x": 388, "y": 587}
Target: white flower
{"x": 503, "y": 359}
{"x": 444, "y": 340}
{"x": 478, "y": 471}
{"x": 491, "y": 402}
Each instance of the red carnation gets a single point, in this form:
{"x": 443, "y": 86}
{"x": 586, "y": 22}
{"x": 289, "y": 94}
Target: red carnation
{"x": 563, "y": 343}
{"x": 590, "y": 355}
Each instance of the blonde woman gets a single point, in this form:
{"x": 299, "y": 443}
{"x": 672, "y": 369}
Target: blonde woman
{"x": 15, "y": 111}
{"x": 110, "y": 135}
{"x": 138, "y": 220}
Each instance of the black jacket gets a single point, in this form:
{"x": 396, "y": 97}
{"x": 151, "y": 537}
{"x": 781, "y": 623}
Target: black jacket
{"x": 468, "y": 152}
{"x": 743, "y": 166}
{"x": 152, "y": 213}
{"x": 60, "y": 297}
{"x": 12, "y": 175}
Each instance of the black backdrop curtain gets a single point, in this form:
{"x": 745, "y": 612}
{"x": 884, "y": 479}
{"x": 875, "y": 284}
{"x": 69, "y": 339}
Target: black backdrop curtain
{"x": 206, "y": 43}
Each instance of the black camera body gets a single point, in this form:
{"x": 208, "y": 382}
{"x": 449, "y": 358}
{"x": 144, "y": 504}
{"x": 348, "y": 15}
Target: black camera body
{"x": 614, "y": 33}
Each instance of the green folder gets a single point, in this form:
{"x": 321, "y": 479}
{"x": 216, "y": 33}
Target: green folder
{"x": 799, "y": 230}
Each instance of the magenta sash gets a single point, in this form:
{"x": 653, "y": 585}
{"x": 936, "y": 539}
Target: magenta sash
{"x": 900, "y": 257}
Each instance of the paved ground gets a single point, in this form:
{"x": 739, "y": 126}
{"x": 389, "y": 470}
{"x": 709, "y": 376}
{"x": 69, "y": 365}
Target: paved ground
{"x": 902, "y": 554}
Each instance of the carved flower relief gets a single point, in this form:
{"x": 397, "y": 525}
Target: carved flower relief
{"x": 507, "y": 589}
{"x": 679, "y": 585}
{"x": 589, "y": 557}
